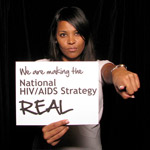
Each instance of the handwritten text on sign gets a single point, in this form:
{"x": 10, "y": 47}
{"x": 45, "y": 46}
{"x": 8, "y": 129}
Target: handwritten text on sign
{"x": 51, "y": 91}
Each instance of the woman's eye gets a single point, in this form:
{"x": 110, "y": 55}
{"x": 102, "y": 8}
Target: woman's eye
{"x": 77, "y": 33}
{"x": 62, "y": 35}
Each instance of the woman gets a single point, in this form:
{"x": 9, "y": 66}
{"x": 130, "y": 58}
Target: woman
{"x": 70, "y": 40}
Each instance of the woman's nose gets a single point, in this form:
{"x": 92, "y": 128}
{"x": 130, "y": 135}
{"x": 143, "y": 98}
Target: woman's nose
{"x": 71, "y": 40}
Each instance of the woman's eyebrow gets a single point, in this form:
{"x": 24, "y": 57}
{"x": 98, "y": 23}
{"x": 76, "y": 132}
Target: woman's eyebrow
{"x": 62, "y": 31}
{"x": 66, "y": 31}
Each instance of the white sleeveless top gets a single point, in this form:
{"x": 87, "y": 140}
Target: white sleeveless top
{"x": 83, "y": 137}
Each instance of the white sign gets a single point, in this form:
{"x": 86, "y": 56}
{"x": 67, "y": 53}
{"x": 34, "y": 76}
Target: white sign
{"x": 47, "y": 92}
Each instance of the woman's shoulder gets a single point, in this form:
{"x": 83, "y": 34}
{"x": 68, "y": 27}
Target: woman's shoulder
{"x": 103, "y": 62}
{"x": 43, "y": 60}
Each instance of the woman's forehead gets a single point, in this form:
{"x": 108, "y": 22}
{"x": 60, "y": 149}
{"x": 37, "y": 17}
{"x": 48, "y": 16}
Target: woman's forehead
{"x": 65, "y": 26}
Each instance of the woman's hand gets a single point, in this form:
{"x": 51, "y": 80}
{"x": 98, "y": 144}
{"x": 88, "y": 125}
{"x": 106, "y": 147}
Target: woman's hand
{"x": 126, "y": 83}
{"x": 54, "y": 131}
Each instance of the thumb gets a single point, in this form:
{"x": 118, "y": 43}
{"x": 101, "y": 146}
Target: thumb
{"x": 123, "y": 92}
{"x": 121, "y": 87}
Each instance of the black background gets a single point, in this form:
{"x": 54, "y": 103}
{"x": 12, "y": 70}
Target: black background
{"x": 121, "y": 31}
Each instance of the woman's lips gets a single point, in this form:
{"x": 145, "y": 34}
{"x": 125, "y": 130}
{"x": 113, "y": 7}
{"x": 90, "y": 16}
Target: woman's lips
{"x": 72, "y": 49}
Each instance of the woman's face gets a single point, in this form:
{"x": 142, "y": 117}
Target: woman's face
{"x": 70, "y": 41}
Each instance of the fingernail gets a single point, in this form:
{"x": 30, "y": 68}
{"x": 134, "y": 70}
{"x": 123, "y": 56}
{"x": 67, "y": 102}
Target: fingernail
{"x": 67, "y": 121}
{"x": 121, "y": 87}
{"x": 132, "y": 96}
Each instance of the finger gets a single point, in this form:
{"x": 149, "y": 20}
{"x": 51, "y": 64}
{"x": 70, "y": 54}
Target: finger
{"x": 55, "y": 143}
{"x": 129, "y": 85}
{"x": 56, "y": 137}
{"x": 133, "y": 82}
{"x": 47, "y": 135}
{"x": 54, "y": 125}
{"x": 125, "y": 95}
{"x": 137, "y": 80}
